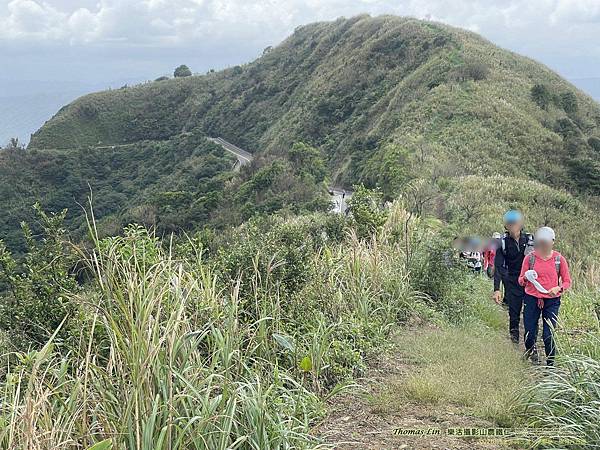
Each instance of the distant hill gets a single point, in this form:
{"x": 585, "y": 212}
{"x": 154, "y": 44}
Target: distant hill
{"x": 149, "y": 183}
{"x": 21, "y": 115}
{"x": 26, "y": 104}
{"x": 353, "y": 87}
{"x": 384, "y": 100}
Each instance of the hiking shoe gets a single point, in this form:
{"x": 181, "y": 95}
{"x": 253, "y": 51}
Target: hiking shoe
{"x": 532, "y": 355}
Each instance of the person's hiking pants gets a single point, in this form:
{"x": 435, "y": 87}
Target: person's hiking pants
{"x": 513, "y": 299}
{"x": 531, "y": 317}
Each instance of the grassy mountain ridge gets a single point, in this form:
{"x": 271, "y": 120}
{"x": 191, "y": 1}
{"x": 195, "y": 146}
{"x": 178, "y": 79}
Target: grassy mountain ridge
{"x": 350, "y": 87}
{"x": 239, "y": 337}
{"x": 385, "y": 101}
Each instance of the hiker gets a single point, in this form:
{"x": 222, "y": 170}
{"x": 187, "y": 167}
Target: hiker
{"x": 471, "y": 254}
{"x": 474, "y": 261}
{"x": 514, "y": 245}
{"x": 545, "y": 276}
{"x": 489, "y": 254}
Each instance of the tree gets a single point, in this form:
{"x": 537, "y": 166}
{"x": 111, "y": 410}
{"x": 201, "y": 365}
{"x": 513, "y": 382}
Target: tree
{"x": 14, "y": 144}
{"x": 541, "y": 95}
{"x": 368, "y": 214}
{"x": 568, "y": 101}
{"x": 308, "y": 161}
{"x": 182, "y": 71}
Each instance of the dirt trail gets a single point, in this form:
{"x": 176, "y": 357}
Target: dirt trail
{"x": 362, "y": 419}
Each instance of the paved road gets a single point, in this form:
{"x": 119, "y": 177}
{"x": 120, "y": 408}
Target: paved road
{"x": 339, "y": 196}
{"x": 340, "y": 199}
{"x": 242, "y": 156}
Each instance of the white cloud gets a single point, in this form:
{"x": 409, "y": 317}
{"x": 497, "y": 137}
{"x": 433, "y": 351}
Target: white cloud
{"x": 32, "y": 19}
{"x": 142, "y": 21}
{"x": 576, "y": 11}
{"x": 83, "y": 25}
{"x": 546, "y": 29}
{"x": 155, "y": 21}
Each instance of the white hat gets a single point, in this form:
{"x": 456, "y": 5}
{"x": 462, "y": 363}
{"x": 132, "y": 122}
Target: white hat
{"x": 545, "y": 234}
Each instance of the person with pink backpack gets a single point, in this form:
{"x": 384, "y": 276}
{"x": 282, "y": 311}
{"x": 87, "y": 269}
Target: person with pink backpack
{"x": 545, "y": 276}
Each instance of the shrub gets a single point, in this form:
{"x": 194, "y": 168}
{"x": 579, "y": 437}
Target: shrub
{"x": 182, "y": 71}
{"x": 585, "y": 173}
{"x": 594, "y": 143}
{"x": 367, "y": 211}
{"x": 568, "y": 101}
{"x": 567, "y": 128}
{"x": 541, "y": 95}
{"x": 473, "y": 70}
{"x": 37, "y": 287}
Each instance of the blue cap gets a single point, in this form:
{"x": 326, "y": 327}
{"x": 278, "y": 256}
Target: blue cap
{"x": 512, "y": 216}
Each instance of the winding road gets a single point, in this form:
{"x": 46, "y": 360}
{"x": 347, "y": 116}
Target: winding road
{"x": 339, "y": 196}
{"x": 242, "y": 156}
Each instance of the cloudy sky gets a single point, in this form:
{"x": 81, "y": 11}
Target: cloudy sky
{"x": 67, "y": 47}
{"x": 103, "y": 40}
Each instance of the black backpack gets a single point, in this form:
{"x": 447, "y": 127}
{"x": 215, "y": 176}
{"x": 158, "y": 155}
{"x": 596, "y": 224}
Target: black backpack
{"x": 528, "y": 245}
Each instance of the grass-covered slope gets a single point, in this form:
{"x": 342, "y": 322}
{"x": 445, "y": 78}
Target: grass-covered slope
{"x": 475, "y": 204}
{"x": 383, "y": 101}
{"x": 165, "y": 184}
{"x": 374, "y": 94}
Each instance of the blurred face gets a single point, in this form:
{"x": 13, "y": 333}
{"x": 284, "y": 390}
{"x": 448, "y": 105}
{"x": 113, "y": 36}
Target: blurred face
{"x": 514, "y": 228}
{"x": 544, "y": 246}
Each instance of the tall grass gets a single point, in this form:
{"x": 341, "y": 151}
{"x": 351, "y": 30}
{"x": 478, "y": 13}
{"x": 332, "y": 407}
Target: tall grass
{"x": 166, "y": 365}
{"x": 169, "y": 356}
{"x": 240, "y": 349}
{"x": 566, "y": 398}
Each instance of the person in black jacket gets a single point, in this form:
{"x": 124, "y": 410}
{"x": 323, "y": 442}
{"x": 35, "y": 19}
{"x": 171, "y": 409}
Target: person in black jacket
{"x": 512, "y": 248}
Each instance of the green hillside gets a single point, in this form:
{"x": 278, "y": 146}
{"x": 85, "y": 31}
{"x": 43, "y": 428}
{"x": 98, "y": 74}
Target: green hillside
{"x": 289, "y": 328}
{"x": 371, "y": 93}
{"x": 382, "y": 101}
{"x": 148, "y": 183}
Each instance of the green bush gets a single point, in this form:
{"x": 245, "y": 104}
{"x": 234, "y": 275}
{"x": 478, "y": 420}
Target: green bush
{"x": 594, "y": 143}
{"x": 541, "y": 95}
{"x": 368, "y": 215}
{"x": 568, "y": 101}
{"x": 36, "y": 290}
{"x": 182, "y": 71}
{"x": 567, "y": 128}
{"x": 473, "y": 70}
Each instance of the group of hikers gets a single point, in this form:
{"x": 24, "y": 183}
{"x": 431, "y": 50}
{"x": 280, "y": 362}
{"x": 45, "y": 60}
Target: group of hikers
{"x": 532, "y": 274}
